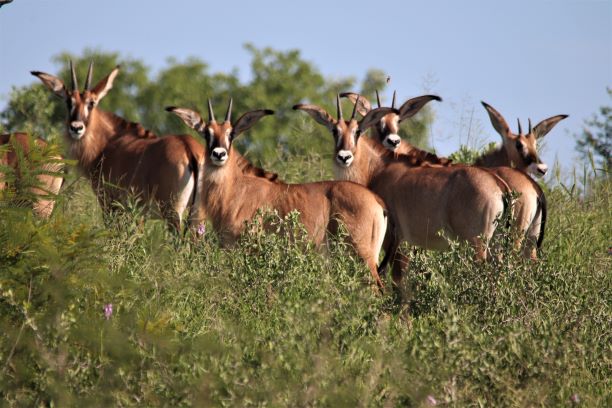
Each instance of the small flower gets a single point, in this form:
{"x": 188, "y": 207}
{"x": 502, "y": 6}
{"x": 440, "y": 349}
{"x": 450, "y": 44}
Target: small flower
{"x": 108, "y": 310}
{"x": 201, "y": 230}
{"x": 431, "y": 400}
{"x": 575, "y": 398}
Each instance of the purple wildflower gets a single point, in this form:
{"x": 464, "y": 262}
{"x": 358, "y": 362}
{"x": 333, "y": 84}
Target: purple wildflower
{"x": 108, "y": 310}
{"x": 431, "y": 400}
{"x": 575, "y": 398}
{"x": 201, "y": 230}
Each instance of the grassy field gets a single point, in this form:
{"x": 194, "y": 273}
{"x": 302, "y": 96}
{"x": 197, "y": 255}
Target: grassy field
{"x": 127, "y": 314}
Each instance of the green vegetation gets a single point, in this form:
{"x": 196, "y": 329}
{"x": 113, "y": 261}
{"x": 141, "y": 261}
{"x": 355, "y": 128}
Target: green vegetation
{"x": 272, "y": 322}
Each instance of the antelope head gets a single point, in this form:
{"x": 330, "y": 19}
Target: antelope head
{"x": 387, "y": 128}
{"x": 346, "y": 132}
{"x": 80, "y": 105}
{"x": 522, "y": 149}
{"x": 219, "y": 136}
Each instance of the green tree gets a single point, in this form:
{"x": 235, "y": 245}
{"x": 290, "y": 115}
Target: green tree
{"x": 596, "y": 137}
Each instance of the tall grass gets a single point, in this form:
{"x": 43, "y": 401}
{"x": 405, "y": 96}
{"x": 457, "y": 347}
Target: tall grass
{"x": 271, "y": 322}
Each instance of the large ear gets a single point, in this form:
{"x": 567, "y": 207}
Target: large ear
{"x": 412, "y": 106}
{"x": 190, "y": 117}
{"x": 246, "y": 121}
{"x": 363, "y": 107}
{"x": 105, "y": 85}
{"x": 55, "y": 84}
{"x": 373, "y": 117}
{"x": 319, "y": 114}
{"x": 498, "y": 121}
{"x": 545, "y": 126}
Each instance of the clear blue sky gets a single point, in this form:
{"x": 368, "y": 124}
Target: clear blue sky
{"x": 527, "y": 58}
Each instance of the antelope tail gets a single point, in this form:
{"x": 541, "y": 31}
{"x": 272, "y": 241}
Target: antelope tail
{"x": 193, "y": 209}
{"x": 390, "y": 245}
{"x": 542, "y": 207}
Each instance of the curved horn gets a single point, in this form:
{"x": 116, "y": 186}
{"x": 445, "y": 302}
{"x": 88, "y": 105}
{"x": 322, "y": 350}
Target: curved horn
{"x": 355, "y": 107}
{"x": 75, "y": 84}
{"x": 529, "y": 119}
{"x": 211, "y": 114}
{"x": 378, "y": 99}
{"x": 89, "y": 73}
{"x": 393, "y": 101}
{"x": 339, "y": 108}
{"x": 520, "y": 131}
{"x": 228, "y": 114}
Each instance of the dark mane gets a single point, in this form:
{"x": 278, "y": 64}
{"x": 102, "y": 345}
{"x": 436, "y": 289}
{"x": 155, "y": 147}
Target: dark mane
{"x": 414, "y": 158}
{"x": 132, "y": 128}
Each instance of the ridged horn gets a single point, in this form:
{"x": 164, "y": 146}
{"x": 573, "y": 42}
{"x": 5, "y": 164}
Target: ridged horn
{"x": 339, "y": 108}
{"x": 393, "y": 100}
{"x": 520, "y": 130}
{"x": 89, "y": 74}
{"x": 75, "y": 84}
{"x": 355, "y": 107}
{"x": 529, "y": 119}
{"x": 228, "y": 114}
{"x": 211, "y": 114}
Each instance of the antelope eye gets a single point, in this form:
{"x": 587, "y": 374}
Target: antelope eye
{"x": 335, "y": 132}
{"x": 519, "y": 145}
{"x": 91, "y": 104}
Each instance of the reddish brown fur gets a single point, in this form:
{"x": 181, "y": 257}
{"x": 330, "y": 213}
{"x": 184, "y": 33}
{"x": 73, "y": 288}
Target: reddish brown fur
{"x": 49, "y": 184}
{"x": 233, "y": 198}
{"x": 422, "y": 198}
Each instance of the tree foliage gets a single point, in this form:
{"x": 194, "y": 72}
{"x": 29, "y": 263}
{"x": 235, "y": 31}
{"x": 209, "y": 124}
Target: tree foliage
{"x": 596, "y": 137}
{"x": 277, "y": 80}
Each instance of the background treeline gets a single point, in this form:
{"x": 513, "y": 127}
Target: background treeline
{"x": 278, "y": 80}
{"x": 272, "y": 322}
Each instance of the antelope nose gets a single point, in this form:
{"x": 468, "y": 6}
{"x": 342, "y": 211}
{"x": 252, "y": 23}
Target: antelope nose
{"x": 542, "y": 168}
{"x": 76, "y": 126}
{"x": 344, "y": 157}
{"x": 219, "y": 154}
{"x": 394, "y": 142}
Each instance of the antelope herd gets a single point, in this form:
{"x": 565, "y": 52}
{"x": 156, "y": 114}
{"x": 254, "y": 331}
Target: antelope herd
{"x": 386, "y": 191}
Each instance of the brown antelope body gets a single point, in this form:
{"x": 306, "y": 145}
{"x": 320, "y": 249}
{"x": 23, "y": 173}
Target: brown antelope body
{"x": 122, "y": 158}
{"x": 231, "y": 198}
{"x": 423, "y": 199}
{"x": 520, "y": 152}
{"x": 48, "y": 184}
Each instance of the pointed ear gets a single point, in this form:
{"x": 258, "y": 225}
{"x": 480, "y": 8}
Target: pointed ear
{"x": 497, "y": 120}
{"x": 412, "y": 106}
{"x": 364, "y": 105}
{"x": 246, "y": 121}
{"x": 319, "y": 114}
{"x": 55, "y": 84}
{"x": 373, "y": 117}
{"x": 105, "y": 85}
{"x": 545, "y": 126}
{"x": 190, "y": 117}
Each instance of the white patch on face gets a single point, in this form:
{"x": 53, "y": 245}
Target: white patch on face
{"x": 538, "y": 170}
{"x": 392, "y": 141}
{"x": 211, "y": 138}
{"x": 219, "y": 156}
{"x": 76, "y": 129}
{"x": 228, "y": 132}
{"x": 344, "y": 158}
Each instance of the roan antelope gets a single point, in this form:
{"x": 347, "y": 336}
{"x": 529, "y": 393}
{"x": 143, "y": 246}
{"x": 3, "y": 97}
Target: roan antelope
{"x": 49, "y": 181}
{"x": 423, "y": 199}
{"x": 232, "y": 198}
{"x": 530, "y": 206}
{"x": 121, "y": 157}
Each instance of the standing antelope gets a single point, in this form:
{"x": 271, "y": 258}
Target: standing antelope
{"x": 48, "y": 184}
{"x": 231, "y": 198}
{"x": 463, "y": 202}
{"x": 122, "y": 157}
{"x": 530, "y": 205}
